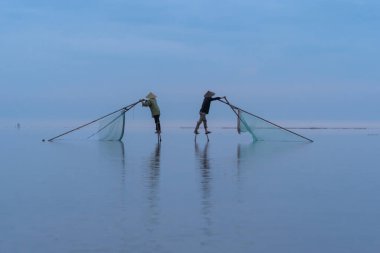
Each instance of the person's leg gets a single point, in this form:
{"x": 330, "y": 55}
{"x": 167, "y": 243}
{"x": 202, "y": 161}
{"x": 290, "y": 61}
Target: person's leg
{"x": 205, "y": 123}
{"x": 157, "y": 121}
{"x": 198, "y": 123}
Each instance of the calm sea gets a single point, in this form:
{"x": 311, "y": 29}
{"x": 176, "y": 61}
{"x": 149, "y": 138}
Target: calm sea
{"x": 226, "y": 195}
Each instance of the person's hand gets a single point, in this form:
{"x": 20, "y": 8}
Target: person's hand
{"x": 142, "y": 100}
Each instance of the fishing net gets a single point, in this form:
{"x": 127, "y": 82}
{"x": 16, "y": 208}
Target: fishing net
{"x": 263, "y": 130}
{"x": 110, "y": 128}
{"x": 106, "y": 128}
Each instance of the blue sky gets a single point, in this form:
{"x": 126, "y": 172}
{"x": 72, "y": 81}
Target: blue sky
{"x": 286, "y": 60}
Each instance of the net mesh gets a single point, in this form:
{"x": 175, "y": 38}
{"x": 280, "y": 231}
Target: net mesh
{"x": 110, "y": 128}
{"x": 107, "y": 128}
{"x": 262, "y": 130}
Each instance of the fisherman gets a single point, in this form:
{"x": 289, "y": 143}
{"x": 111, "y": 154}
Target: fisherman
{"x": 151, "y": 102}
{"x": 205, "y": 110}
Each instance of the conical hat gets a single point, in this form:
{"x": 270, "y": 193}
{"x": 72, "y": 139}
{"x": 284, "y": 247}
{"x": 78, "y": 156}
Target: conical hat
{"x": 209, "y": 94}
{"x": 151, "y": 95}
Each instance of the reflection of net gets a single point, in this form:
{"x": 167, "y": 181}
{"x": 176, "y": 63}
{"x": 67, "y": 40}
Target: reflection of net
{"x": 111, "y": 128}
{"x": 262, "y": 130}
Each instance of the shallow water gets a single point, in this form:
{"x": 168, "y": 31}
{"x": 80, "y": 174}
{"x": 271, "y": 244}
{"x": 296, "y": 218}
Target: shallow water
{"x": 228, "y": 195}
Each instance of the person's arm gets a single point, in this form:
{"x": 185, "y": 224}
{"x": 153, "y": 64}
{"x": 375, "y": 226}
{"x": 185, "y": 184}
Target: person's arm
{"x": 146, "y": 103}
{"x": 215, "y": 98}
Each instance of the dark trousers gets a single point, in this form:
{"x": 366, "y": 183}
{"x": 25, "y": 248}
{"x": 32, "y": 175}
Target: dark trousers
{"x": 157, "y": 121}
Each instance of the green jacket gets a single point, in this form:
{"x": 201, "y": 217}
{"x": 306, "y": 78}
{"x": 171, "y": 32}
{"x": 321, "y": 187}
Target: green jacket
{"x": 153, "y": 106}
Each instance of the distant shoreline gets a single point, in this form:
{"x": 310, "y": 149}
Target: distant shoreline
{"x": 308, "y": 128}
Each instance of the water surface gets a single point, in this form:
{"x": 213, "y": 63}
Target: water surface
{"x": 226, "y": 195}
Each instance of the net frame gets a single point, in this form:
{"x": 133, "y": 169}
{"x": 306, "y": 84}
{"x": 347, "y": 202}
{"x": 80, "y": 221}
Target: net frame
{"x": 124, "y": 110}
{"x": 244, "y": 126}
{"x": 111, "y": 129}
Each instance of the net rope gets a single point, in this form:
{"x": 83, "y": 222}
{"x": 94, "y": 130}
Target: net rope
{"x": 262, "y": 129}
{"x": 110, "y": 128}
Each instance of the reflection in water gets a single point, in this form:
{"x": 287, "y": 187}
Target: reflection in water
{"x": 115, "y": 153}
{"x": 152, "y": 178}
{"x": 205, "y": 170}
{"x": 256, "y": 151}
{"x": 261, "y": 154}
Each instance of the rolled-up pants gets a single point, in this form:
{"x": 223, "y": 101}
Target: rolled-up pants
{"x": 157, "y": 121}
{"x": 202, "y": 118}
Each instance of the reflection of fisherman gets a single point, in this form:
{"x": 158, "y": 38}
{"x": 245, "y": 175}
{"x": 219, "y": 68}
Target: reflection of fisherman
{"x": 203, "y": 158}
{"x": 155, "y": 159}
{"x": 152, "y": 194}
{"x": 154, "y": 109}
{"x": 205, "y": 183}
{"x": 205, "y": 110}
